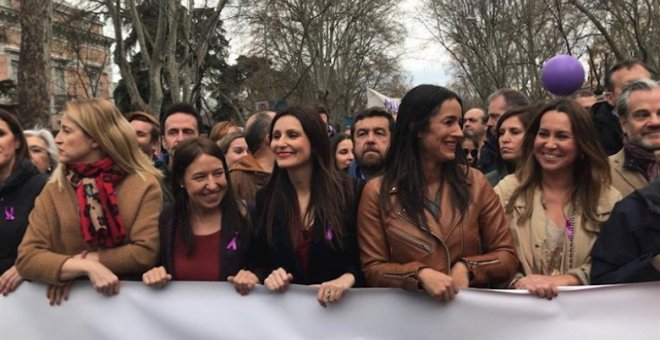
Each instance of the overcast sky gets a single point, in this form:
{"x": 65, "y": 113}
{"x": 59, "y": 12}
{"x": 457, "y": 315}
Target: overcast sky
{"x": 425, "y": 60}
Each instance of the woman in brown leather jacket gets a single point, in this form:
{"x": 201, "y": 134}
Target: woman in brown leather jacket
{"x": 431, "y": 222}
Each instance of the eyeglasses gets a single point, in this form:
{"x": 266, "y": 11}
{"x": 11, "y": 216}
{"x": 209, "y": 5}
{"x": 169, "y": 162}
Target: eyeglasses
{"x": 472, "y": 152}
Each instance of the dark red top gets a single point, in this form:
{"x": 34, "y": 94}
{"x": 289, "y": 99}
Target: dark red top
{"x": 203, "y": 264}
{"x": 302, "y": 251}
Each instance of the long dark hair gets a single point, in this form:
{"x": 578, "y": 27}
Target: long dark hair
{"x": 525, "y": 114}
{"x": 591, "y": 170}
{"x": 334, "y": 144}
{"x": 17, "y": 130}
{"x": 232, "y": 210}
{"x": 403, "y": 166}
{"x": 330, "y": 195}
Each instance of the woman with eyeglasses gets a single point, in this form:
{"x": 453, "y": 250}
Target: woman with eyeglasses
{"x": 21, "y": 182}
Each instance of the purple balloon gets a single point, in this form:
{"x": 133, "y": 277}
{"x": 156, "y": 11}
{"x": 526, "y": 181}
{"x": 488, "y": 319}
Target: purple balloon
{"x": 562, "y": 75}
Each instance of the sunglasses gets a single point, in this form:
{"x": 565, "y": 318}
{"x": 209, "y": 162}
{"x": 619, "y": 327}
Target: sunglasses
{"x": 473, "y": 152}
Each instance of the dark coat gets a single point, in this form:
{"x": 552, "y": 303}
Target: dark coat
{"x": 17, "y": 197}
{"x": 326, "y": 261}
{"x": 608, "y": 127}
{"x": 629, "y": 240}
{"x": 231, "y": 260}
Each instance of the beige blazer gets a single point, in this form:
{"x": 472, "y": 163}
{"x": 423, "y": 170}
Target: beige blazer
{"x": 624, "y": 180}
{"x": 530, "y": 237}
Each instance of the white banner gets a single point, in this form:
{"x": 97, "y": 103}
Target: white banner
{"x": 375, "y": 98}
{"x": 213, "y": 310}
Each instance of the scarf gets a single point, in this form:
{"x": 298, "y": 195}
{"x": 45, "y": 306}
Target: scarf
{"x": 95, "y": 183}
{"x": 643, "y": 159}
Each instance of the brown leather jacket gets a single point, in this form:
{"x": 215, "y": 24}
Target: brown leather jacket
{"x": 393, "y": 248}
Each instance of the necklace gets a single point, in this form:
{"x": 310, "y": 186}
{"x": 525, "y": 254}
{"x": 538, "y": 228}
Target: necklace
{"x": 570, "y": 233}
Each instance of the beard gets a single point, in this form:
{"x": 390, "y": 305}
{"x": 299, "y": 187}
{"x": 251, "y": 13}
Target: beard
{"x": 371, "y": 161}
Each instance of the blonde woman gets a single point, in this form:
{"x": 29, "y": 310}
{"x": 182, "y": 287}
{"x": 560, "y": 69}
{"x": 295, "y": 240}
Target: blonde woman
{"x": 98, "y": 215}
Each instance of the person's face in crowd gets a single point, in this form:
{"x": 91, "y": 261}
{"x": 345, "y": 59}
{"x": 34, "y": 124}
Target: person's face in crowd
{"x": 237, "y": 149}
{"x": 8, "y": 146}
{"x": 511, "y": 135}
{"x": 496, "y": 109}
{"x": 205, "y": 182}
{"x": 642, "y": 124}
{"x": 372, "y": 139}
{"x": 324, "y": 118}
{"x": 554, "y": 146}
{"x": 344, "y": 154}
{"x": 439, "y": 141}
{"x": 290, "y": 144}
{"x": 473, "y": 122}
{"x": 39, "y": 153}
{"x": 586, "y": 102}
{"x": 470, "y": 151}
{"x": 143, "y": 132}
{"x": 623, "y": 77}
{"x": 179, "y": 127}
{"x": 74, "y": 146}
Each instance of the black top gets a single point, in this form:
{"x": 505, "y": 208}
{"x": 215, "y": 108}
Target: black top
{"x": 326, "y": 260}
{"x": 17, "y": 197}
{"x": 608, "y": 127}
{"x": 233, "y": 244}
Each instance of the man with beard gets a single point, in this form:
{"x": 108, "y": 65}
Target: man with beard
{"x": 637, "y": 163}
{"x": 371, "y": 132}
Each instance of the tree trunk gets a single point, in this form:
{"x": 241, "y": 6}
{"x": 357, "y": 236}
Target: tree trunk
{"x": 34, "y": 63}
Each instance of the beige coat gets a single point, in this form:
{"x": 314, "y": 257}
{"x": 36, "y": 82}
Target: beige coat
{"x": 531, "y": 236}
{"x": 53, "y": 234}
{"x": 624, "y": 180}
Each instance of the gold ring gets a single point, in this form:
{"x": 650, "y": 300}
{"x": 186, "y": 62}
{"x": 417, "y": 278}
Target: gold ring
{"x": 327, "y": 294}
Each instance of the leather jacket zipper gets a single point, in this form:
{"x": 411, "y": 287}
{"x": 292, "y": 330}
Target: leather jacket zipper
{"x": 444, "y": 246}
{"x": 411, "y": 240}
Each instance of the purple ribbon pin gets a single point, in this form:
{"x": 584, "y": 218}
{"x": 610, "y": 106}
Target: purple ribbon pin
{"x": 328, "y": 234}
{"x": 232, "y": 244}
{"x": 9, "y": 213}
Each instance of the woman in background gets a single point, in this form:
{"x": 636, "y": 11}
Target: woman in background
{"x": 342, "y": 151}
{"x": 510, "y": 131}
{"x": 234, "y": 147}
{"x": 43, "y": 150}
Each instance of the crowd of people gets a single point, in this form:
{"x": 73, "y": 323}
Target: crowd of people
{"x": 444, "y": 197}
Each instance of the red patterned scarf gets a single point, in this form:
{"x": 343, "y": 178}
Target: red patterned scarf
{"x": 95, "y": 183}
{"x": 644, "y": 159}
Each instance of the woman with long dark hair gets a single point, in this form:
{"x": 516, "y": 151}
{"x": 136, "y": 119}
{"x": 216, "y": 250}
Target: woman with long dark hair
{"x": 431, "y": 222}
{"x": 21, "y": 183}
{"x": 342, "y": 151}
{"x": 510, "y": 130}
{"x": 558, "y": 199}
{"x": 204, "y": 234}
{"x": 306, "y": 212}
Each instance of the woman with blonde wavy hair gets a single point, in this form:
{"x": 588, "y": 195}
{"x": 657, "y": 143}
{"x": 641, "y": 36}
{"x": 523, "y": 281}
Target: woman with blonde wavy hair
{"x": 98, "y": 214}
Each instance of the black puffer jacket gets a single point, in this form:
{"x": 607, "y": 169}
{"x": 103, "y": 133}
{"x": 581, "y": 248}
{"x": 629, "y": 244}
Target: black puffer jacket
{"x": 17, "y": 197}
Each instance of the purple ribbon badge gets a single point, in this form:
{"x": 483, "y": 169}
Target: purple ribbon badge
{"x": 569, "y": 228}
{"x": 328, "y": 234}
{"x": 9, "y": 213}
{"x": 233, "y": 245}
